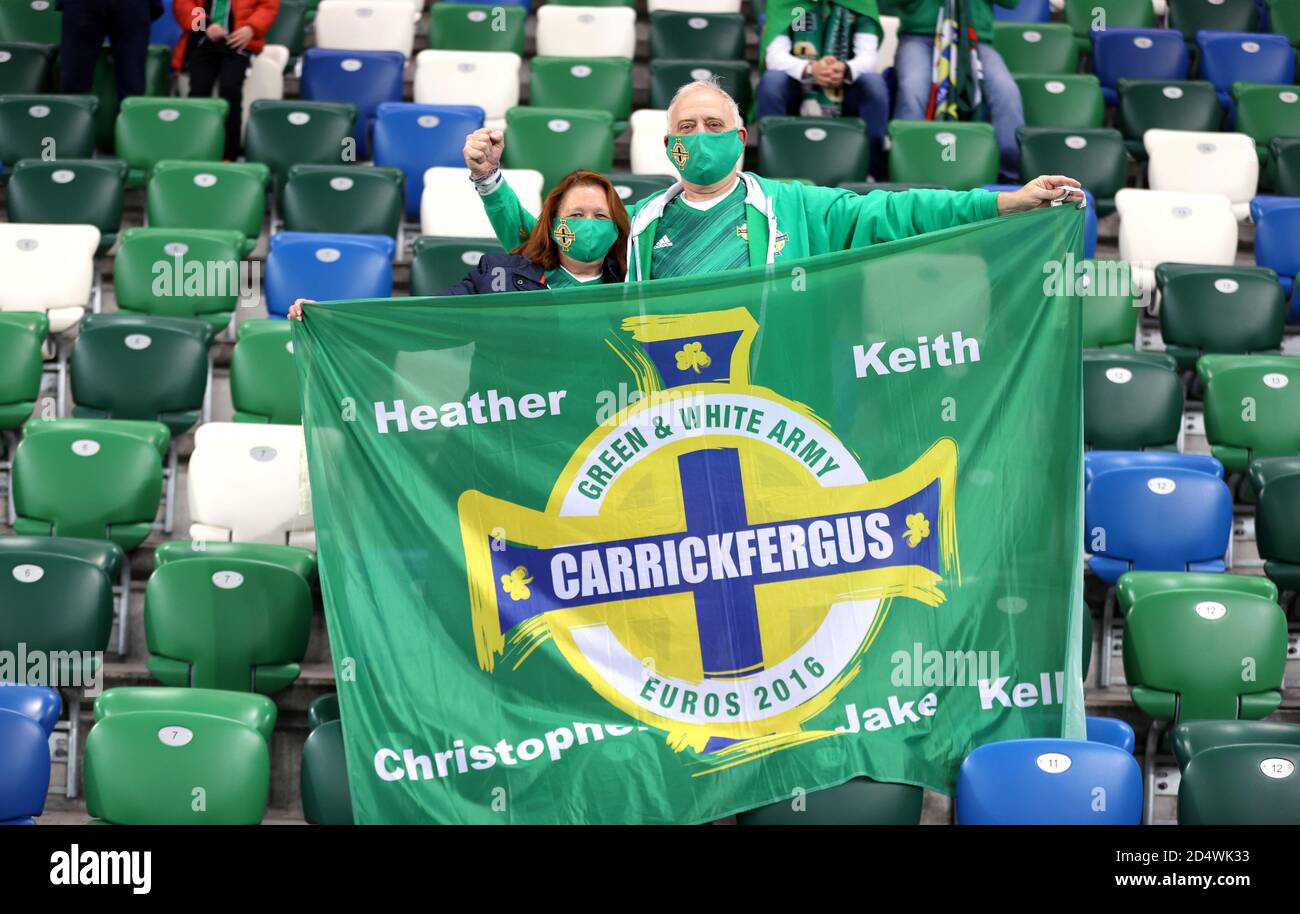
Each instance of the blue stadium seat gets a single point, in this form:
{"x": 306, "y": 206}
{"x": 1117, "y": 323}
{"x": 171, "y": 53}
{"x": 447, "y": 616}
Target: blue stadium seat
{"x": 1229, "y": 57}
{"x": 1049, "y": 782}
{"x": 24, "y": 769}
{"x": 1097, "y": 462}
{"x": 418, "y": 137}
{"x": 367, "y": 79}
{"x": 325, "y": 267}
{"x": 1089, "y": 218}
{"x": 1024, "y": 11}
{"x": 40, "y": 703}
{"x": 1266, "y": 202}
{"x": 165, "y": 29}
{"x": 1276, "y": 232}
{"x": 1156, "y": 518}
{"x": 1137, "y": 54}
{"x": 1112, "y": 731}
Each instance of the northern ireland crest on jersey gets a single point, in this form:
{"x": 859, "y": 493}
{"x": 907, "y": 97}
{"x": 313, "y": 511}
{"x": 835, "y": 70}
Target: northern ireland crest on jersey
{"x": 713, "y": 560}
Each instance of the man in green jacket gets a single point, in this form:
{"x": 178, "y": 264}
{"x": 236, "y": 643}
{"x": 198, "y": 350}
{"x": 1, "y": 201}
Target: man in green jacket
{"x": 721, "y": 218}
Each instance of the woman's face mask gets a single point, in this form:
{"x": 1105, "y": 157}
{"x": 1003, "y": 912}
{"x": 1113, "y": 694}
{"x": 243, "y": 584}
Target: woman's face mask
{"x": 705, "y": 158}
{"x": 584, "y": 240}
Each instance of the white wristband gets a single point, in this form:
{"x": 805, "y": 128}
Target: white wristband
{"x": 488, "y": 183}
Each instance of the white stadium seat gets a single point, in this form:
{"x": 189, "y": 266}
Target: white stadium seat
{"x": 265, "y": 77}
{"x": 1158, "y": 226}
{"x": 365, "y": 25}
{"x": 247, "y": 484}
{"x": 48, "y": 268}
{"x": 586, "y": 31}
{"x": 888, "y": 44}
{"x": 450, "y": 206}
{"x": 489, "y": 79}
{"x": 695, "y": 6}
{"x": 649, "y": 126}
{"x": 1209, "y": 163}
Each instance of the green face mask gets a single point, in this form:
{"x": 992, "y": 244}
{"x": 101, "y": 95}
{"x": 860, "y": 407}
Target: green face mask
{"x": 585, "y": 240}
{"x": 705, "y": 158}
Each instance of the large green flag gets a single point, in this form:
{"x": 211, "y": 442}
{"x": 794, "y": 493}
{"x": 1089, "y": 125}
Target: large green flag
{"x": 666, "y": 551}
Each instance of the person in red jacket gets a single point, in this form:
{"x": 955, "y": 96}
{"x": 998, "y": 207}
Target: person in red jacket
{"x": 218, "y": 38}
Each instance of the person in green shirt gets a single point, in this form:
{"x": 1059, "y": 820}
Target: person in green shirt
{"x": 718, "y": 217}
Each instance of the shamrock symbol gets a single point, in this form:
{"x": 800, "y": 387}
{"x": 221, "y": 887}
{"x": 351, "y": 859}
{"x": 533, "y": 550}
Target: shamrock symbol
{"x": 918, "y": 528}
{"x": 516, "y": 583}
{"x": 694, "y": 357}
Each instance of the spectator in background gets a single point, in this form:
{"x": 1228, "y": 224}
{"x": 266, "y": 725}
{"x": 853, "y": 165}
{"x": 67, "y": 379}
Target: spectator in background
{"x": 914, "y": 64}
{"x": 820, "y": 59}
{"x": 218, "y": 39}
{"x": 86, "y": 23}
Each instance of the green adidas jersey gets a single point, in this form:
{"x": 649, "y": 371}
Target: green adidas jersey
{"x": 560, "y": 278}
{"x": 691, "y": 241}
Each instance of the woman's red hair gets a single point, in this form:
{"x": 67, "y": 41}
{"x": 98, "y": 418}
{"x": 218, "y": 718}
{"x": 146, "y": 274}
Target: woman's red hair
{"x": 538, "y": 245}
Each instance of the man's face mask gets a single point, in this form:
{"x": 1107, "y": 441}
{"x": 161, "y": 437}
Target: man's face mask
{"x": 705, "y": 158}
{"x": 585, "y": 240}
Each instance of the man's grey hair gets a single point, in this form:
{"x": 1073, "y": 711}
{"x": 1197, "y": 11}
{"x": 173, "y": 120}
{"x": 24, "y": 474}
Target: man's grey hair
{"x": 710, "y": 84}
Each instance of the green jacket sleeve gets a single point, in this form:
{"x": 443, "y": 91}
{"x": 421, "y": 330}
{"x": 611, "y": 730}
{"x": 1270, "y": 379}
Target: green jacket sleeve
{"x": 511, "y": 222}
{"x": 856, "y": 221}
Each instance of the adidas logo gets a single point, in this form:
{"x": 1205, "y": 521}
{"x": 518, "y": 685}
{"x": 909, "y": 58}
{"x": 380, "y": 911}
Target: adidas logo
{"x": 663, "y": 242}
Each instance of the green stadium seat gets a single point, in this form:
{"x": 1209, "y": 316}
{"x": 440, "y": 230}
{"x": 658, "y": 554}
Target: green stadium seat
{"x": 474, "y": 27}
{"x": 127, "y": 366}
{"x": 150, "y": 130}
{"x": 255, "y": 711}
{"x": 322, "y": 710}
{"x": 22, "y": 334}
{"x": 1284, "y": 19}
{"x": 1110, "y": 312}
{"x": 697, "y": 36}
{"x": 227, "y": 623}
{"x": 69, "y": 192}
{"x": 1133, "y": 586}
{"x": 859, "y": 801}
{"x": 91, "y": 478}
{"x": 958, "y": 156}
{"x": 301, "y": 562}
{"x": 1036, "y": 47}
{"x": 1265, "y": 112}
{"x": 36, "y": 21}
{"x": 1284, "y": 164}
{"x": 635, "y": 188}
{"x": 823, "y": 150}
{"x": 1085, "y": 16}
{"x": 1166, "y": 105}
{"x": 1184, "y": 653}
{"x": 263, "y": 379}
{"x": 289, "y": 28}
{"x": 25, "y": 68}
{"x": 1206, "y": 309}
{"x": 439, "y": 263}
{"x": 1070, "y": 101}
{"x": 146, "y": 768}
{"x": 1252, "y": 407}
{"x": 1276, "y": 484}
{"x": 1132, "y": 401}
{"x": 1095, "y": 157}
{"x": 36, "y": 126}
{"x": 555, "y": 141}
{"x": 157, "y": 83}
{"x": 1191, "y": 16}
{"x": 326, "y": 799}
{"x": 342, "y": 198}
{"x": 599, "y": 83}
{"x": 1252, "y": 784}
{"x": 213, "y": 291}
{"x": 281, "y": 134}
{"x": 223, "y": 196}
{"x": 1193, "y": 737}
{"x": 667, "y": 76}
